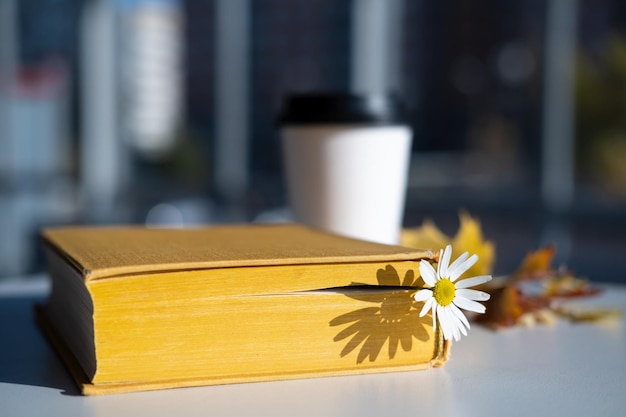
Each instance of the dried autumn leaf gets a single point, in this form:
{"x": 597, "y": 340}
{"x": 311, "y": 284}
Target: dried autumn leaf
{"x": 503, "y": 308}
{"x": 588, "y": 314}
{"x": 544, "y": 316}
{"x": 469, "y": 238}
{"x": 568, "y": 286}
{"x": 427, "y": 236}
{"x": 511, "y": 304}
{"x": 536, "y": 264}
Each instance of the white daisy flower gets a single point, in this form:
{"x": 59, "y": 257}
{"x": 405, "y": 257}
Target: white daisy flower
{"x": 444, "y": 297}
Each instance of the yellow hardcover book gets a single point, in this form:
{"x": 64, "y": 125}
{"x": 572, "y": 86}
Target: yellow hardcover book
{"x": 135, "y": 308}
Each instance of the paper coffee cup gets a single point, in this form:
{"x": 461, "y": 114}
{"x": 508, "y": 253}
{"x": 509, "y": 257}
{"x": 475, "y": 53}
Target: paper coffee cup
{"x": 346, "y": 163}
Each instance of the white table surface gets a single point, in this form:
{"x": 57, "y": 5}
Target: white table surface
{"x": 565, "y": 370}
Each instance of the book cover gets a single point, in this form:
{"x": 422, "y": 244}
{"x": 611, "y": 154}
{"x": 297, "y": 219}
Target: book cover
{"x": 133, "y": 308}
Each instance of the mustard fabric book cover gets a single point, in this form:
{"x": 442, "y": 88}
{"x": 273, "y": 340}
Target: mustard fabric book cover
{"x": 134, "y": 308}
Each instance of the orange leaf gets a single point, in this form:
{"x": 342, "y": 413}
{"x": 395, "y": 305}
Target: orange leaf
{"x": 503, "y": 308}
{"x": 536, "y": 264}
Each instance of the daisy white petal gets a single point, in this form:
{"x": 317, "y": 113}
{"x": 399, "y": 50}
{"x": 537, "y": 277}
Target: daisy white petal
{"x": 445, "y": 312}
{"x": 469, "y": 305}
{"x": 458, "y": 262}
{"x": 473, "y": 295}
{"x": 423, "y": 295}
{"x": 455, "y": 335}
{"x": 428, "y": 273}
{"x": 459, "y": 315}
{"x": 439, "y": 263}
{"x": 444, "y": 323}
{"x": 454, "y": 324}
{"x": 453, "y": 318}
{"x": 444, "y": 262}
{"x": 445, "y": 298}
{"x": 471, "y": 282}
{"x": 458, "y": 325}
{"x": 427, "y": 306}
{"x": 462, "y": 267}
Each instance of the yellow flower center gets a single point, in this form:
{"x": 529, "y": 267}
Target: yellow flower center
{"x": 444, "y": 291}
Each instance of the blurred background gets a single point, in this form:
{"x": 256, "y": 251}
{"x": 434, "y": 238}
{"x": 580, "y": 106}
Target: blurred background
{"x": 163, "y": 112}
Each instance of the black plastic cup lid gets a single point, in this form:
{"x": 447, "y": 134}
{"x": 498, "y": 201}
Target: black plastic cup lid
{"x": 341, "y": 108}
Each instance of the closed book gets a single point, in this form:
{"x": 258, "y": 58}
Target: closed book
{"x": 135, "y": 308}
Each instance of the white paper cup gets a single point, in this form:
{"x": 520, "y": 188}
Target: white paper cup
{"x": 348, "y": 173}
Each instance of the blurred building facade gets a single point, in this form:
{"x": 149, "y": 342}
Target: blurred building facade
{"x": 188, "y": 134}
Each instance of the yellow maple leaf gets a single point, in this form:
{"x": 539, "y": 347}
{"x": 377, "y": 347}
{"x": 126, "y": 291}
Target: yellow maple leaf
{"x": 427, "y": 236}
{"x": 469, "y": 238}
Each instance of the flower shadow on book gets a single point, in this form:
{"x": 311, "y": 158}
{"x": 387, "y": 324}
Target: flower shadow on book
{"x": 395, "y": 317}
